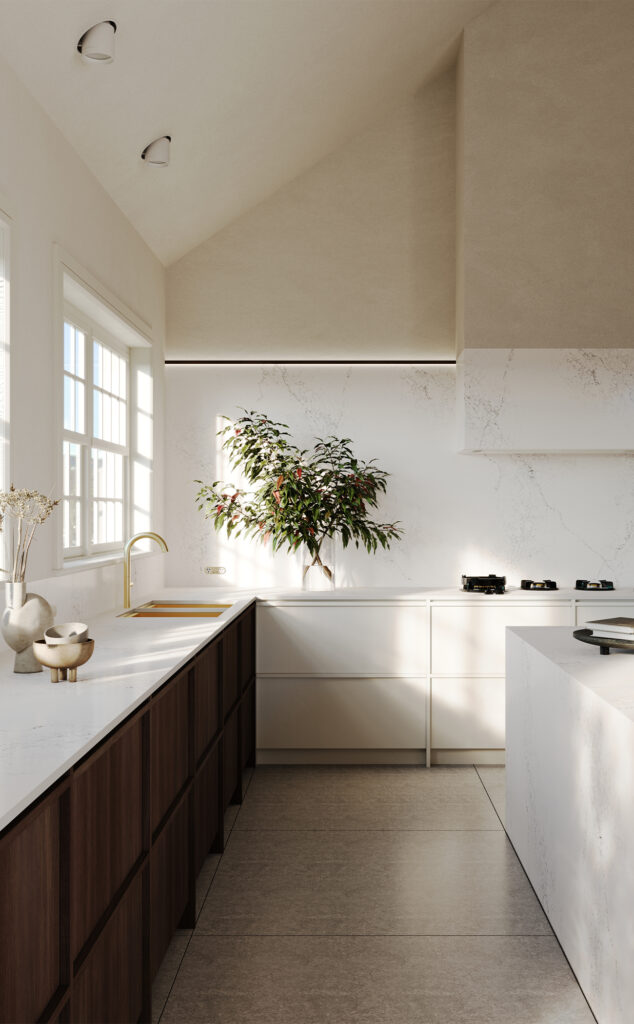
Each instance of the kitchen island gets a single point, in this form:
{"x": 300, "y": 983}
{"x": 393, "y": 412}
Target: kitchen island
{"x": 570, "y": 799}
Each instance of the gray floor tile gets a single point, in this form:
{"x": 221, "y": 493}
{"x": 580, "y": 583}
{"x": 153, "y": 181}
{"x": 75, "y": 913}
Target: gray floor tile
{"x": 366, "y": 798}
{"x": 494, "y": 781}
{"x": 370, "y": 883}
{"x": 373, "y": 980}
{"x": 167, "y": 972}
{"x": 230, "y": 817}
{"x": 205, "y": 878}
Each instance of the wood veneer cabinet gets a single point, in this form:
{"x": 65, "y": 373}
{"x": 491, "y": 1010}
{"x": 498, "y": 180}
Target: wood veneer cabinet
{"x": 100, "y": 871}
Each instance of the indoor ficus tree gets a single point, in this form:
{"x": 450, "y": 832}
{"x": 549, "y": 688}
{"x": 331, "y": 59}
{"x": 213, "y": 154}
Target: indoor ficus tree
{"x": 298, "y": 496}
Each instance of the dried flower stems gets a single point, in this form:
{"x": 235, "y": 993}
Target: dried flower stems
{"x": 30, "y": 509}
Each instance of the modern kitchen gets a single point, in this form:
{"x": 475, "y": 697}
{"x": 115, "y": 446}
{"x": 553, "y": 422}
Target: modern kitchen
{"x": 316, "y": 381}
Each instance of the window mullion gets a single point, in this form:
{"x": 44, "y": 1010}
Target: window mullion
{"x": 90, "y": 427}
{"x": 105, "y": 465}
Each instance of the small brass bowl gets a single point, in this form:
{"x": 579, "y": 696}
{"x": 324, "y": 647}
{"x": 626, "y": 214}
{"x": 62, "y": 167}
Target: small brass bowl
{"x": 63, "y": 659}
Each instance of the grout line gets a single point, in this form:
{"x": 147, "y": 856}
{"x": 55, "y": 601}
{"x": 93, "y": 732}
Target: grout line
{"x": 364, "y": 828}
{"x": 554, "y": 933}
{"x": 489, "y": 798}
{"x": 194, "y": 929}
{"x": 378, "y": 935}
{"x": 180, "y": 963}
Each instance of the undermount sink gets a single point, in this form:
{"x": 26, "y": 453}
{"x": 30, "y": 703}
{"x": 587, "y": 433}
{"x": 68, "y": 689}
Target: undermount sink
{"x": 176, "y": 610}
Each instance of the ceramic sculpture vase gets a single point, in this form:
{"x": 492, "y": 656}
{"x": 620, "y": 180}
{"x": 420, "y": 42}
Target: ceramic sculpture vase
{"x": 25, "y": 619}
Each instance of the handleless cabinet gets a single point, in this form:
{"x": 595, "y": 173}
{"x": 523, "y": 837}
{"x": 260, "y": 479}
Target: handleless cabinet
{"x": 107, "y": 841}
{"x": 207, "y": 698}
{"x": 589, "y": 611}
{"x": 100, "y": 871}
{"x": 340, "y": 638}
{"x": 169, "y": 746}
{"x": 34, "y": 956}
{"x": 109, "y": 984}
{"x": 230, "y": 668}
{"x": 469, "y": 639}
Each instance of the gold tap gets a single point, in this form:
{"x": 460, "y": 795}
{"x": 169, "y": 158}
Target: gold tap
{"x": 126, "y": 560}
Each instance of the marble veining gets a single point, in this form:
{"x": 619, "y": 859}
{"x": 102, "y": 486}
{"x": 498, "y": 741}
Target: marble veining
{"x": 570, "y": 788}
{"x": 525, "y": 515}
{"x": 547, "y": 400}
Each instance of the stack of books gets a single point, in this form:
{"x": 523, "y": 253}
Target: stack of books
{"x": 618, "y": 628}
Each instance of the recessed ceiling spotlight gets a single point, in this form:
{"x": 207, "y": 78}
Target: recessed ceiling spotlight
{"x": 97, "y": 43}
{"x": 158, "y": 152}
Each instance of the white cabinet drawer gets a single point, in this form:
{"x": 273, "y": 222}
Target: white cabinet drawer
{"x": 602, "y": 610}
{"x": 342, "y": 639}
{"x": 467, "y": 714}
{"x": 340, "y": 713}
{"x": 469, "y": 639}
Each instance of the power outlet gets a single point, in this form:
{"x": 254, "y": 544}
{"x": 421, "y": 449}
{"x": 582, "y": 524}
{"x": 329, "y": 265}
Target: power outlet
{"x": 215, "y": 570}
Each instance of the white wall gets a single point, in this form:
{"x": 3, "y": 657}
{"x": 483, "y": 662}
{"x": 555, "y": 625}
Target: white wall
{"x": 558, "y": 516}
{"x": 354, "y": 258}
{"x": 51, "y": 197}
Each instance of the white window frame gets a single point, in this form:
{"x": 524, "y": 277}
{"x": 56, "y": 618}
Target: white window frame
{"x": 5, "y": 342}
{"x": 87, "y": 441}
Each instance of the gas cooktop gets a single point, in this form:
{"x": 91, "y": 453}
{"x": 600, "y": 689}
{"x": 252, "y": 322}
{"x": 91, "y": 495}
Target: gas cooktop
{"x": 484, "y": 584}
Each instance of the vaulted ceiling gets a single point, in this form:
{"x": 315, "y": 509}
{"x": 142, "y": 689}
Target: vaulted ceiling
{"x": 253, "y": 92}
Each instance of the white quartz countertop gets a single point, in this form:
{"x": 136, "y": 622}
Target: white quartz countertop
{"x": 610, "y": 677}
{"x": 46, "y": 728}
{"x": 423, "y": 594}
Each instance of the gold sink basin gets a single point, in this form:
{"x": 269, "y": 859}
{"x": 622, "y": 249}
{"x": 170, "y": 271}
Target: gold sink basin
{"x": 176, "y": 610}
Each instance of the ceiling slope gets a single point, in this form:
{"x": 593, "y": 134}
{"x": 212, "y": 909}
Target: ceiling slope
{"x": 253, "y": 92}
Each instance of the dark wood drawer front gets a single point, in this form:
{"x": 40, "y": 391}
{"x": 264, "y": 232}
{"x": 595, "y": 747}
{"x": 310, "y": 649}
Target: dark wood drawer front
{"x": 169, "y": 761}
{"x": 106, "y": 828}
{"x": 206, "y": 698}
{"x": 169, "y": 883}
{"x": 247, "y": 727}
{"x": 108, "y": 988}
{"x": 230, "y": 759}
{"x": 247, "y": 647}
{"x": 30, "y": 955}
{"x": 230, "y": 684}
{"x": 206, "y": 806}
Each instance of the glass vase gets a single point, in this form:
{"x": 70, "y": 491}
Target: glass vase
{"x": 318, "y": 571}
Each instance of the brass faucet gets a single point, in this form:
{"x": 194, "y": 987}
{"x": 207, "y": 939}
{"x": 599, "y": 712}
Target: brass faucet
{"x": 126, "y": 560}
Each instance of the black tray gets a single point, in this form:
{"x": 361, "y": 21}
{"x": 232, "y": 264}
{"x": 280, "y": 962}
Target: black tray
{"x": 603, "y": 642}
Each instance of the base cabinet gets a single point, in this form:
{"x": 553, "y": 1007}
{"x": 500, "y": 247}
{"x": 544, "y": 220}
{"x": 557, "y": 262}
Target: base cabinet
{"x": 95, "y": 877}
{"x": 32, "y": 913}
{"x": 107, "y": 841}
{"x": 206, "y": 808}
{"x": 230, "y": 757}
{"x": 109, "y": 985}
{"x": 170, "y": 883}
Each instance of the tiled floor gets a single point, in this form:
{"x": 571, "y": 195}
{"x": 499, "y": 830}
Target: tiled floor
{"x": 368, "y": 896}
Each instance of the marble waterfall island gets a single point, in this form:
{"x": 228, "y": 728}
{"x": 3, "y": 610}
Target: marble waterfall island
{"x": 570, "y": 802}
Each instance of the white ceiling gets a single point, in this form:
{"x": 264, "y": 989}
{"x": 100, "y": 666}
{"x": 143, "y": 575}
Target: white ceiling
{"x": 253, "y": 92}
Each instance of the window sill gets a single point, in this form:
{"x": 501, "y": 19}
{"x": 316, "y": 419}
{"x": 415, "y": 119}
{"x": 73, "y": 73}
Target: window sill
{"x": 98, "y": 562}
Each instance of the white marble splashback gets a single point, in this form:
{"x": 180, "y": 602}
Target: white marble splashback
{"x": 546, "y": 400}
{"x": 563, "y": 516}
{"x": 82, "y": 595}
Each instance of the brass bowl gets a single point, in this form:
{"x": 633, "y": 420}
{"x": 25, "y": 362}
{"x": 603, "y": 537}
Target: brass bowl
{"x": 63, "y": 659}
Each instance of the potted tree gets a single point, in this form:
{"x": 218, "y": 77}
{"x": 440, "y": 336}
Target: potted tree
{"x": 298, "y": 496}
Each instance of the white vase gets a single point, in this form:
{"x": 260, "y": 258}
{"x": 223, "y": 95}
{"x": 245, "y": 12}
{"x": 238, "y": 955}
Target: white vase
{"x": 319, "y": 575}
{"x": 24, "y": 620}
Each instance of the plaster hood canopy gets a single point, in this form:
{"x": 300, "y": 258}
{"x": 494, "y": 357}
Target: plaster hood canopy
{"x": 255, "y": 91}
